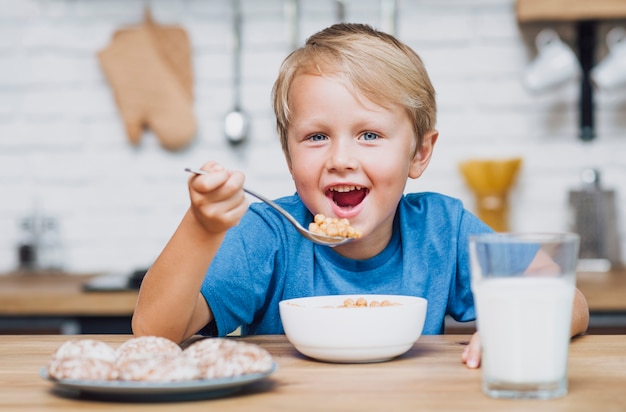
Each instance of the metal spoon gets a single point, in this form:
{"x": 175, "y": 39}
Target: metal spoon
{"x": 331, "y": 241}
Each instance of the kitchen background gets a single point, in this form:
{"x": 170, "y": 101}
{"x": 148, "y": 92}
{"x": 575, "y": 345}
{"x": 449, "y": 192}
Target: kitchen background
{"x": 64, "y": 150}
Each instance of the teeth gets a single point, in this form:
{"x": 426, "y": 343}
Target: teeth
{"x": 345, "y": 188}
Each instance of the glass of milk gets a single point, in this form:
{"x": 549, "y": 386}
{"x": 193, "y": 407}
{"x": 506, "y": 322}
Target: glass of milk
{"x": 523, "y": 287}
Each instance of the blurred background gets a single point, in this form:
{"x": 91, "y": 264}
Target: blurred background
{"x": 65, "y": 155}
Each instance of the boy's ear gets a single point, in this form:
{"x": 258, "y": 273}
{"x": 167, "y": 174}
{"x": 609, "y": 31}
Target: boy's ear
{"x": 422, "y": 156}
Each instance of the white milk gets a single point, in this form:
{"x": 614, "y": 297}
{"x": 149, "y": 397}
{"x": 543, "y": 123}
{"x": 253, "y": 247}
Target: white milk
{"x": 524, "y": 324}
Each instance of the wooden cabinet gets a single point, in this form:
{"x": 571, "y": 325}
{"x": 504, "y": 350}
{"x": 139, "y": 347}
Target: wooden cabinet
{"x": 58, "y": 303}
{"x": 36, "y": 303}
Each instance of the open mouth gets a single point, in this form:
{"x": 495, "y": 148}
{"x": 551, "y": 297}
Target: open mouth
{"x": 347, "y": 196}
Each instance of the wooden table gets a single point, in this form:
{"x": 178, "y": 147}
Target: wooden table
{"x": 429, "y": 377}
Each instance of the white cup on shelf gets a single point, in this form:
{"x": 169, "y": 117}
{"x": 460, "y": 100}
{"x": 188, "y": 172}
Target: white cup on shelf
{"x": 610, "y": 73}
{"x": 555, "y": 64}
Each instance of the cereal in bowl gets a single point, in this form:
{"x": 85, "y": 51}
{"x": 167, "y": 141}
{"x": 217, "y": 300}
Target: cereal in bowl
{"x": 362, "y": 303}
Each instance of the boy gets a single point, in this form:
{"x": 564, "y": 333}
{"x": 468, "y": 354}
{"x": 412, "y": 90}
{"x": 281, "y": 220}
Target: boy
{"x": 356, "y": 115}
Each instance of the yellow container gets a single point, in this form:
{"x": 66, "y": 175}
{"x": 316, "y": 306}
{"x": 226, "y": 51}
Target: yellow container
{"x": 491, "y": 182}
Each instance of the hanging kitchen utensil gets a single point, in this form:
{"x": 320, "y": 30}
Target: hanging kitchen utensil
{"x": 594, "y": 218}
{"x": 340, "y": 10}
{"x": 389, "y": 16}
{"x": 236, "y": 122}
{"x": 291, "y": 9}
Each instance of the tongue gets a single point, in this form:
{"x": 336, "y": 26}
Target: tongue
{"x": 349, "y": 199}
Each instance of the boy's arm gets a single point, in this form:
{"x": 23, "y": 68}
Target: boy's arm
{"x": 169, "y": 302}
{"x": 580, "y": 314}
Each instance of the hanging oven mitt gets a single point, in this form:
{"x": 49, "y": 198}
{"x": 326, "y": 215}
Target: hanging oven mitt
{"x": 149, "y": 69}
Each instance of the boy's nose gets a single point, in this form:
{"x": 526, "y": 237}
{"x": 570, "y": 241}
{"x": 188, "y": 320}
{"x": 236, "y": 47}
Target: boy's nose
{"x": 342, "y": 155}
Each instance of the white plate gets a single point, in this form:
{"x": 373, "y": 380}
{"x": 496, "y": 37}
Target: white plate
{"x": 151, "y": 391}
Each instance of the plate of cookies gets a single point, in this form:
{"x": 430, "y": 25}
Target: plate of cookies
{"x": 156, "y": 368}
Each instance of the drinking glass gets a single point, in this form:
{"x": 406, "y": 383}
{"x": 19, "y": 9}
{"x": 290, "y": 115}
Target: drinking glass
{"x": 523, "y": 287}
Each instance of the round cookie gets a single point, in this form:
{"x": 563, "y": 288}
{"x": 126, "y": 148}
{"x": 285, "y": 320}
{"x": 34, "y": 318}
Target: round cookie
{"x": 208, "y": 351}
{"x": 85, "y": 348}
{"x": 220, "y": 358}
{"x": 82, "y": 368}
{"x": 147, "y": 347}
{"x": 167, "y": 369}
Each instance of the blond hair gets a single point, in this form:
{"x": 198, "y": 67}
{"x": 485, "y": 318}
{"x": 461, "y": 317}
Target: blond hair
{"x": 376, "y": 64}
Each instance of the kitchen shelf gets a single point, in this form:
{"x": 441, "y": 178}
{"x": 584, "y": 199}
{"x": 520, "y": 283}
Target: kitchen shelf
{"x": 585, "y": 14}
{"x": 569, "y": 10}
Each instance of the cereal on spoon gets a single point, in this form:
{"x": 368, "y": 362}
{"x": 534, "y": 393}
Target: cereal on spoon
{"x": 332, "y": 226}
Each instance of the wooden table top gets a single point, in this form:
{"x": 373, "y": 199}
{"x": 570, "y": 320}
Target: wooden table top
{"x": 57, "y": 294}
{"x": 429, "y": 377}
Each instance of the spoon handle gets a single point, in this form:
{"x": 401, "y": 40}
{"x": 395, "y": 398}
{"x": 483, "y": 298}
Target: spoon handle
{"x": 279, "y": 209}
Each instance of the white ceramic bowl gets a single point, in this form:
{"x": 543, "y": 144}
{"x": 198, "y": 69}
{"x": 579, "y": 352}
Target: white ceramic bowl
{"x": 319, "y": 328}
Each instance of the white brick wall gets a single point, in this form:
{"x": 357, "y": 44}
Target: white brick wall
{"x": 62, "y": 143}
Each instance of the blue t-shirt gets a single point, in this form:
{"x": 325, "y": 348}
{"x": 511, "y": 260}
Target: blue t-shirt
{"x": 264, "y": 260}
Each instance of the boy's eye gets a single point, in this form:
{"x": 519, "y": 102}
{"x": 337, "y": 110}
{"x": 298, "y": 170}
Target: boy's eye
{"x": 317, "y": 137}
{"x": 369, "y": 136}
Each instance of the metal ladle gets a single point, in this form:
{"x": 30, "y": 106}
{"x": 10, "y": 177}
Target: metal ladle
{"x": 320, "y": 239}
{"x": 236, "y": 122}
{"x": 291, "y": 10}
{"x": 389, "y": 16}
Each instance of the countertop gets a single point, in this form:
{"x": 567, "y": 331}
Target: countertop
{"x": 58, "y": 294}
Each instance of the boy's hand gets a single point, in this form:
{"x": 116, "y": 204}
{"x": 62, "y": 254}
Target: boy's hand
{"x": 217, "y": 199}
{"x": 472, "y": 353}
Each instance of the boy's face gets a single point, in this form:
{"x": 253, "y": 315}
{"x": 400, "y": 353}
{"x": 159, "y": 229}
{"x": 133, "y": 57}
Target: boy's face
{"x": 349, "y": 157}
